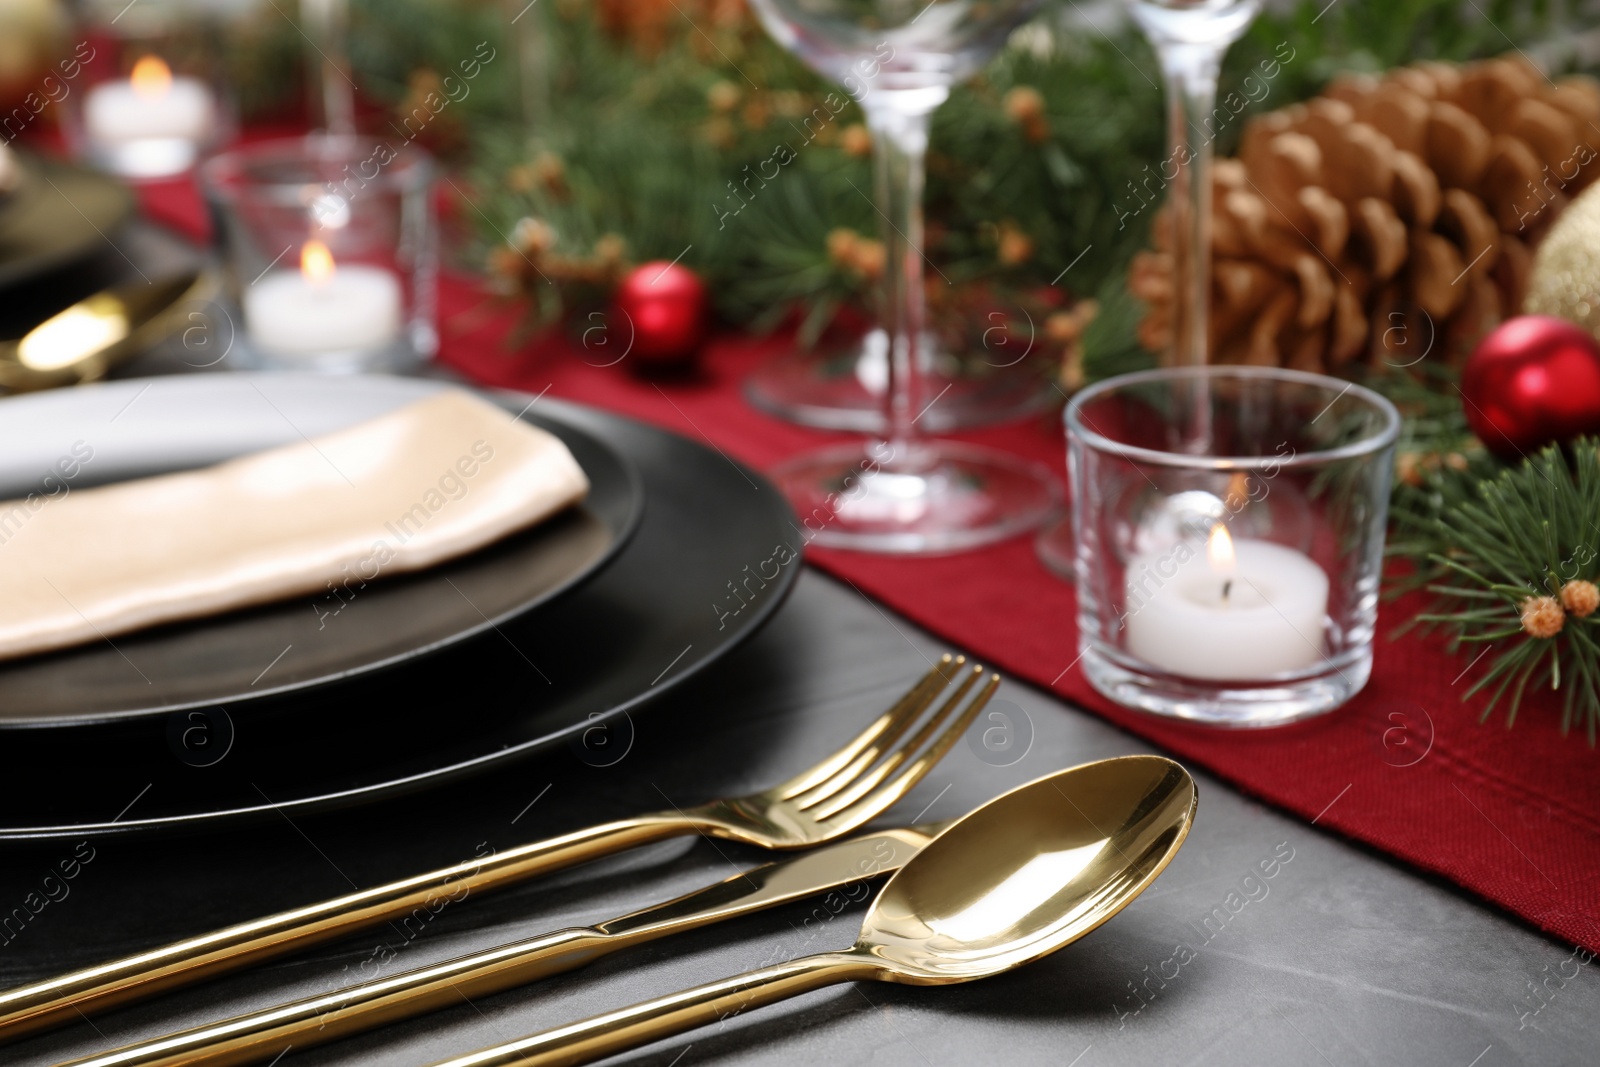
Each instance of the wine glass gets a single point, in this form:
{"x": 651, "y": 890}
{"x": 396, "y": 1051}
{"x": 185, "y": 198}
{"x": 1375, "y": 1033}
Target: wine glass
{"x": 902, "y": 492}
{"x": 1190, "y": 39}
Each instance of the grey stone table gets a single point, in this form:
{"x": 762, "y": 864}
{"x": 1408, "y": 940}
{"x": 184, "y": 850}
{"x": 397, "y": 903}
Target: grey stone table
{"x": 1340, "y": 958}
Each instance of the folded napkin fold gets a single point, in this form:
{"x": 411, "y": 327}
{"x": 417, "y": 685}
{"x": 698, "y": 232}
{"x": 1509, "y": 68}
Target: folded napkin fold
{"x": 433, "y": 480}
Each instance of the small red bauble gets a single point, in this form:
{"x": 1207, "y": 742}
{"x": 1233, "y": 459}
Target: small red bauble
{"x": 665, "y": 303}
{"x": 1532, "y": 381}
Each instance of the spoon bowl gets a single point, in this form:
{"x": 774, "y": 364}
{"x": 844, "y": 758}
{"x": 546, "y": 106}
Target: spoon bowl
{"x": 1029, "y": 872}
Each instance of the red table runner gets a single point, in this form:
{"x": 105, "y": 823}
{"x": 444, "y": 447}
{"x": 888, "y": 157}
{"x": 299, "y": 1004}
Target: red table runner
{"x": 1405, "y": 767}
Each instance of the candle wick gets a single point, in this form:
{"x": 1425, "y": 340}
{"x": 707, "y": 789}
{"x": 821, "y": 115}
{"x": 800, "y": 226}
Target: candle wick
{"x": 1227, "y": 586}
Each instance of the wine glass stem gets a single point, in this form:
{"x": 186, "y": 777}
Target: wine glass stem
{"x": 327, "y": 31}
{"x": 1191, "y": 84}
{"x": 1191, "y": 73}
{"x": 899, "y": 150}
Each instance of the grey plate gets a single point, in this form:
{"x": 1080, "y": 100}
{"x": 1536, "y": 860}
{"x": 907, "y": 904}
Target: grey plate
{"x": 566, "y": 674}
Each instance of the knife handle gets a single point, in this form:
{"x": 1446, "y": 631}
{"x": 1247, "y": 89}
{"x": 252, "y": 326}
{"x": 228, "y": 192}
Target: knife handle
{"x": 652, "y": 1020}
{"x": 56, "y": 1000}
{"x": 263, "y": 1035}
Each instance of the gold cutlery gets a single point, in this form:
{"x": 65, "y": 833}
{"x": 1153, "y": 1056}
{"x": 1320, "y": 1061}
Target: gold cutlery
{"x": 266, "y": 1034}
{"x": 84, "y": 341}
{"x": 832, "y": 799}
{"x": 1024, "y": 875}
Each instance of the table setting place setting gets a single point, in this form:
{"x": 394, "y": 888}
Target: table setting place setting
{"x": 532, "y": 534}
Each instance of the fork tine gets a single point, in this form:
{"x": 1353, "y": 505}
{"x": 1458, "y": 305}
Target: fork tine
{"x": 856, "y": 780}
{"x": 843, "y": 816}
{"x": 885, "y": 742}
{"x": 880, "y": 774}
{"x": 881, "y": 732}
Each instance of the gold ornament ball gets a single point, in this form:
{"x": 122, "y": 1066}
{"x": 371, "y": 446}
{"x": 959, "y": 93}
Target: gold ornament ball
{"x": 1565, "y": 279}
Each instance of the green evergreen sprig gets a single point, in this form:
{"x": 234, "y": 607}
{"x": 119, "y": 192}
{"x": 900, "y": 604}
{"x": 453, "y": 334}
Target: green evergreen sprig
{"x": 1484, "y": 547}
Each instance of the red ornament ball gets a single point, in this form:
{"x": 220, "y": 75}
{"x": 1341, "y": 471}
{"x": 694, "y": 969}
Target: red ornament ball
{"x": 1532, "y": 381}
{"x": 665, "y": 304}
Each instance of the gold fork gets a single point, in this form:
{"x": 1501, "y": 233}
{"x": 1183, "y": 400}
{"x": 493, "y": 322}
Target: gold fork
{"x": 837, "y": 796}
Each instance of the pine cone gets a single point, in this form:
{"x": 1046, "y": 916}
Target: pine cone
{"x": 1388, "y": 218}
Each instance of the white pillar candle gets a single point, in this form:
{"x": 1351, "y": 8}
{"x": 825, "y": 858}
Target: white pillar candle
{"x": 323, "y": 308}
{"x": 1236, "y": 611}
{"x": 149, "y": 105}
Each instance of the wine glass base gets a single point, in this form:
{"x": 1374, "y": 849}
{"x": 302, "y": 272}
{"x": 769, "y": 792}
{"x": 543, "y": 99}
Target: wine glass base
{"x": 1056, "y": 548}
{"x": 944, "y": 497}
{"x": 841, "y": 387}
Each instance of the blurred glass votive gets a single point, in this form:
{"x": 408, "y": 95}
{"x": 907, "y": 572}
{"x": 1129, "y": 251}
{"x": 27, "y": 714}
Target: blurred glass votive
{"x": 152, "y": 97}
{"x": 329, "y": 245}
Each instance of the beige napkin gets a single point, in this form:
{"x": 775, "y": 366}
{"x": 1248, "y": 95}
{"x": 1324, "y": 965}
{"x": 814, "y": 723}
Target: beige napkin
{"x": 435, "y": 479}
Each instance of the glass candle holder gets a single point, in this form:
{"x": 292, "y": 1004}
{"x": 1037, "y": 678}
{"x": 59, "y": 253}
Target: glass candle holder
{"x": 330, "y": 252}
{"x": 154, "y": 98}
{"x": 1231, "y": 578}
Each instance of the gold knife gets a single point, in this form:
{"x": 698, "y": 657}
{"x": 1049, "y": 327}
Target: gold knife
{"x": 84, "y": 341}
{"x": 263, "y": 1035}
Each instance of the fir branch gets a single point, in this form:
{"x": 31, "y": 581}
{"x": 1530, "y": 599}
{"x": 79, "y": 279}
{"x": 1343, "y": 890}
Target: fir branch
{"x": 1526, "y": 532}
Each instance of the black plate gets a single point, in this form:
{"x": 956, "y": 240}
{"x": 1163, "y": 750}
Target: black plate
{"x": 58, "y": 214}
{"x": 714, "y": 557}
{"x": 265, "y": 652}
{"x": 144, "y": 250}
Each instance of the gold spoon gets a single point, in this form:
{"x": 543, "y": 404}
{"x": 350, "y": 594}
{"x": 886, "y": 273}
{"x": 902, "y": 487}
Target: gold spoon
{"x": 85, "y": 340}
{"x": 1027, "y": 873}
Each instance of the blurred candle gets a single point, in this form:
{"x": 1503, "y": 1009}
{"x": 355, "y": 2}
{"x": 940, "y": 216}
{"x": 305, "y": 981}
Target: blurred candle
{"x": 323, "y": 307}
{"x": 150, "y": 105}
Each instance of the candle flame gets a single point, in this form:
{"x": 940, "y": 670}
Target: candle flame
{"x": 1219, "y": 550}
{"x": 151, "y": 77}
{"x": 316, "y": 262}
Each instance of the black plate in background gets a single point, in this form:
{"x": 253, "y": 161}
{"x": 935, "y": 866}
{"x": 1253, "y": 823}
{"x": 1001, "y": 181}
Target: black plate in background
{"x": 264, "y": 652}
{"x": 566, "y": 674}
{"x": 59, "y": 213}
{"x": 143, "y": 250}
